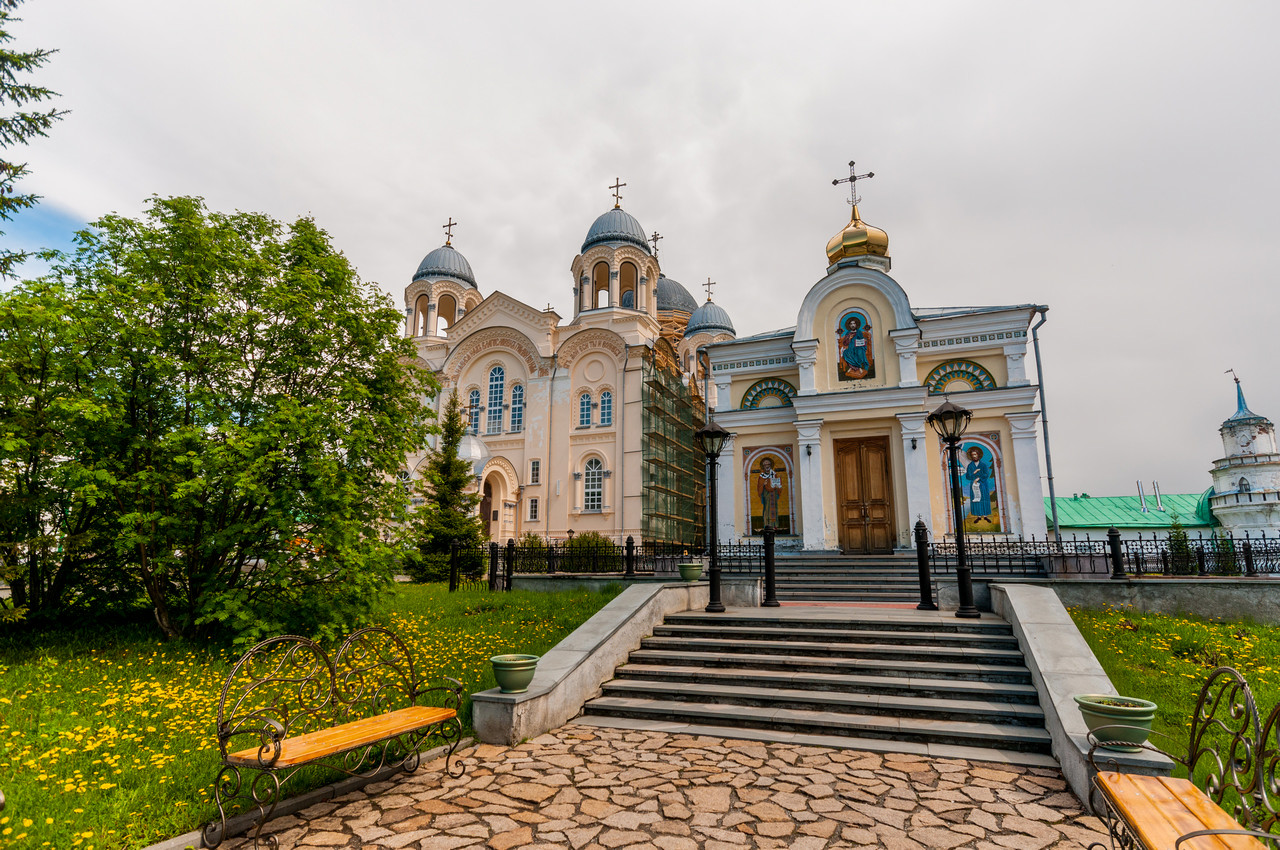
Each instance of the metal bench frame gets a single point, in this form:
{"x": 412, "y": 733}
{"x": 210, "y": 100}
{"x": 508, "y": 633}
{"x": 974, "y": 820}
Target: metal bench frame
{"x": 1241, "y": 754}
{"x": 287, "y": 686}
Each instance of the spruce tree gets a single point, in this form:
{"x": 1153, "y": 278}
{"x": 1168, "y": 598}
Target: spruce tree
{"x": 19, "y": 127}
{"x": 449, "y": 512}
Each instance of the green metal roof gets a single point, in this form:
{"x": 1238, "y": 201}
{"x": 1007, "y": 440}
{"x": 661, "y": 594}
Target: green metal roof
{"x": 1126, "y": 511}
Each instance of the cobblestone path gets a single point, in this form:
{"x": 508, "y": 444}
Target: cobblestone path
{"x": 589, "y": 788}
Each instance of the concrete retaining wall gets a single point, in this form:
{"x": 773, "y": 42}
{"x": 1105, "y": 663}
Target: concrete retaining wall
{"x": 1256, "y": 599}
{"x": 574, "y": 670}
{"x": 1062, "y": 665}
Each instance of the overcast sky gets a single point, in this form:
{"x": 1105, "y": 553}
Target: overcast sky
{"x": 1116, "y": 161}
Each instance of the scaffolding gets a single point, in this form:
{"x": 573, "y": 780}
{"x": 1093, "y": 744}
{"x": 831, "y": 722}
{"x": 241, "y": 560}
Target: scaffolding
{"x": 674, "y": 467}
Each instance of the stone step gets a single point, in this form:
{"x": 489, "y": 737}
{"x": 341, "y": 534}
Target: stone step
{"x": 847, "y": 620}
{"x": 929, "y": 750}
{"x": 914, "y": 729}
{"x": 935, "y": 688}
{"x": 858, "y": 636}
{"x": 774, "y": 698}
{"x": 827, "y": 649}
{"x": 913, "y": 667}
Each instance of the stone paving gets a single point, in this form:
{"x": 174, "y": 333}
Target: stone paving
{"x": 587, "y": 788}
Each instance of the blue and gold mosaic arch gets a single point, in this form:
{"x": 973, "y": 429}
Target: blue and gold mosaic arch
{"x": 770, "y": 392}
{"x": 959, "y": 376}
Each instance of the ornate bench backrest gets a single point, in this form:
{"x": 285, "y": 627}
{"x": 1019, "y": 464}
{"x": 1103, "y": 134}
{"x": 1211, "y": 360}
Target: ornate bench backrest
{"x": 279, "y": 688}
{"x": 1225, "y": 745}
{"x": 373, "y": 674}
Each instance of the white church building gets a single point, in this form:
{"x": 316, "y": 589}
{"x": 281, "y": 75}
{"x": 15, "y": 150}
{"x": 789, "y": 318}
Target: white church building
{"x": 588, "y": 424}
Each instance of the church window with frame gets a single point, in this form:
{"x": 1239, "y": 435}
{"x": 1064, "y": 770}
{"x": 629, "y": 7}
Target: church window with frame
{"x": 606, "y": 408}
{"x": 497, "y": 389}
{"x": 533, "y": 509}
{"x": 593, "y": 486}
{"x": 473, "y": 412}
{"x": 517, "y": 408}
{"x": 1243, "y": 486}
{"x": 535, "y": 471}
{"x": 584, "y": 410}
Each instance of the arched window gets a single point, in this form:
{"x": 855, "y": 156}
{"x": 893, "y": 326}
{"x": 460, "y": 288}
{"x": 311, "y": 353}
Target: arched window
{"x": 628, "y": 283}
{"x": 584, "y": 410}
{"x": 606, "y": 408}
{"x": 421, "y": 312}
{"x": 517, "y": 407}
{"x": 446, "y": 314}
{"x": 473, "y": 412}
{"x": 1243, "y": 486}
{"x": 600, "y": 286}
{"x": 593, "y": 485}
{"x": 497, "y": 379}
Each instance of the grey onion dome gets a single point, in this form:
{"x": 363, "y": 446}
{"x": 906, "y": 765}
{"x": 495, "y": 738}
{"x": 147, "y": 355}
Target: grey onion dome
{"x": 617, "y": 225}
{"x": 709, "y": 318}
{"x": 445, "y": 261}
{"x": 673, "y": 296}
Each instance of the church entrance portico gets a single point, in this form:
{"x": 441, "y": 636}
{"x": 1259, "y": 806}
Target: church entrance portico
{"x": 864, "y": 496}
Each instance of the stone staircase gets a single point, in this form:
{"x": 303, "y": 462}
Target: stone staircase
{"x": 847, "y": 578}
{"x": 887, "y": 680}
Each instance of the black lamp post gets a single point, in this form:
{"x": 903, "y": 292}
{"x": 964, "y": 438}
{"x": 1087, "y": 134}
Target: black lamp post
{"x": 711, "y": 438}
{"x": 950, "y": 421}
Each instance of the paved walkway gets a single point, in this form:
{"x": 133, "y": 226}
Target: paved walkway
{"x": 587, "y": 788}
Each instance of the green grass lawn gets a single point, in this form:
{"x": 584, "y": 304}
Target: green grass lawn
{"x": 1166, "y": 659}
{"x": 107, "y": 735}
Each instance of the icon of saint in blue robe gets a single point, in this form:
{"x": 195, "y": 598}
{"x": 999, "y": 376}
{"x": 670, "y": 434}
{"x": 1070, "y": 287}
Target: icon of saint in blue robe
{"x": 978, "y": 481}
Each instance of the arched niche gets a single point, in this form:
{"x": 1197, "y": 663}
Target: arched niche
{"x": 446, "y": 314}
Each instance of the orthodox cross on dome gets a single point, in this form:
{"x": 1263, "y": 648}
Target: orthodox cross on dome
{"x": 448, "y": 231}
{"x": 707, "y": 286}
{"x": 852, "y": 180}
{"x": 654, "y": 239}
{"x": 617, "y": 192}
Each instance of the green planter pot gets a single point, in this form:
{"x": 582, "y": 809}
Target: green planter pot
{"x": 514, "y": 672}
{"x": 690, "y": 572}
{"x": 1119, "y": 723}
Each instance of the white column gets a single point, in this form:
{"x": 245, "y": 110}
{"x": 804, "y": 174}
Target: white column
{"x": 726, "y": 493}
{"x": 806, "y": 351}
{"x": 408, "y": 321}
{"x": 1026, "y": 460}
{"x": 906, "y": 342}
{"x": 614, "y": 298}
{"x": 1014, "y": 360}
{"x": 642, "y": 296}
{"x": 915, "y": 464}
{"x": 723, "y": 401}
{"x": 812, "y": 503}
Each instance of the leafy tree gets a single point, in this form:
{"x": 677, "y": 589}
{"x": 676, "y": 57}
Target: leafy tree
{"x": 449, "y": 511}
{"x": 236, "y": 408}
{"x": 18, "y": 127}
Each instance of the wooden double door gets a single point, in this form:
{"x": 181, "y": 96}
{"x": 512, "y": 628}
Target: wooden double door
{"x": 864, "y": 495}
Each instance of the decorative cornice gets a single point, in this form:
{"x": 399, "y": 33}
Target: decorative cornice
{"x": 488, "y": 339}
{"x": 591, "y": 339}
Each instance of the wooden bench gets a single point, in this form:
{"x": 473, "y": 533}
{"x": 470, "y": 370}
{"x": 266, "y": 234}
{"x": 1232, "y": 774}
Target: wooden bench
{"x": 1234, "y": 757}
{"x": 287, "y": 706}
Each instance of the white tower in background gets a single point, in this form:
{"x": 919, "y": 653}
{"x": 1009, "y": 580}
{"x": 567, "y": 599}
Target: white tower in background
{"x": 1246, "y": 481}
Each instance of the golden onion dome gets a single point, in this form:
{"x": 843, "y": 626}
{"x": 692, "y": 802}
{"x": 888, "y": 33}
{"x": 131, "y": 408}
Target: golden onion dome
{"x": 857, "y": 239}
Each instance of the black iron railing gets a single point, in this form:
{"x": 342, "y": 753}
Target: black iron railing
{"x": 1169, "y": 554}
{"x": 491, "y": 566}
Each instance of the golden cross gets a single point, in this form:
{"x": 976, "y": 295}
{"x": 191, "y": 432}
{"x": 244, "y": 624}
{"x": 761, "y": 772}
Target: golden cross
{"x": 448, "y": 231}
{"x": 707, "y": 286}
{"x": 852, "y": 180}
{"x": 654, "y": 239}
{"x": 617, "y": 194}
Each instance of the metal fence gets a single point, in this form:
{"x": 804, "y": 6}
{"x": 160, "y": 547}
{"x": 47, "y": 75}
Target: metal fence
{"x": 1171, "y": 554}
{"x": 492, "y": 566}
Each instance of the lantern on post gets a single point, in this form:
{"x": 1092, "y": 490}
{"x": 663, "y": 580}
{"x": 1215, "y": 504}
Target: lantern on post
{"x": 950, "y": 422}
{"x": 711, "y": 438}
